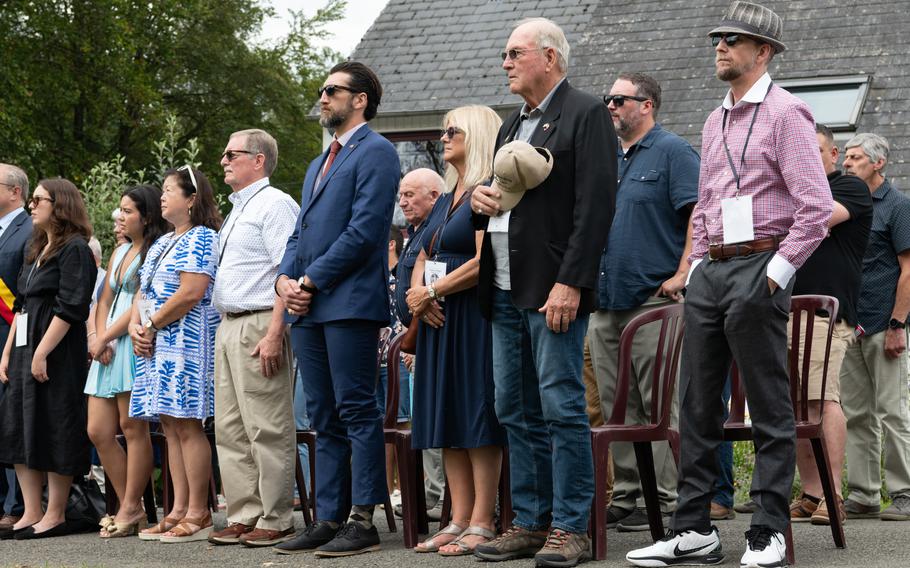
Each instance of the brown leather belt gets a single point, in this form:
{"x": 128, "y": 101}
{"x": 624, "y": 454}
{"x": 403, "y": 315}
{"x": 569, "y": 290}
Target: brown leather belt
{"x": 233, "y": 315}
{"x": 725, "y": 252}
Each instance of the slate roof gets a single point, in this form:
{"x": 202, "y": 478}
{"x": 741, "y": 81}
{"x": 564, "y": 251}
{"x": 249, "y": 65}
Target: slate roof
{"x": 433, "y": 55}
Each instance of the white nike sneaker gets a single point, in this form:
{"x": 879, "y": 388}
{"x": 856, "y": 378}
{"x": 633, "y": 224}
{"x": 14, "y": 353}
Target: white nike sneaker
{"x": 765, "y": 549}
{"x": 687, "y": 548}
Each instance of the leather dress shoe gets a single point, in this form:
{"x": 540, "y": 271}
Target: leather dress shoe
{"x": 312, "y": 537}
{"x": 29, "y": 533}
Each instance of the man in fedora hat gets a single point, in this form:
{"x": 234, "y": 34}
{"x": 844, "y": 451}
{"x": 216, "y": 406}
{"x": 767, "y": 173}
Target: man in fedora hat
{"x": 763, "y": 207}
{"x": 538, "y": 273}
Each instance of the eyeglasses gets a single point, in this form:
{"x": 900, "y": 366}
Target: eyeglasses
{"x": 515, "y": 53}
{"x": 187, "y": 168}
{"x": 36, "y": 200}
{"x": 731, "y": 39}
{"x": 451, "y": 131}
{"x": 9, "y": 185}
{"x": 619, "y": 100}
{"x": 330, "y": 90}
{"x": 231, "y": 154}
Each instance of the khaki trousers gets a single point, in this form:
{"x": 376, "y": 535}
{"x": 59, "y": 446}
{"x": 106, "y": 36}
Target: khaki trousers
{"x": 254, "y": 427}
{"x": 604, "y": 330}
{"x": 874, "y": 397}
{"x": 592, "y": 408}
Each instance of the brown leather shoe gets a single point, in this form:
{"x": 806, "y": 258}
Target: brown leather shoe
{"x": 564, "y": 549}
{"x": 801, "y": 509}
{"x": 266, "y": 537}
{"x": 230, "y": 535}
{"x": 8, "y": 521}
{"x": 821, "y": 515}
{"x": 721, "y": 513}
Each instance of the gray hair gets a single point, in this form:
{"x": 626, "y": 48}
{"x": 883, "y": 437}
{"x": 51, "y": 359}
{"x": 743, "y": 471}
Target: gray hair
{"x": 16, "y": 176}
{"x": 95, "y": 245}
{"x": 115, "y": 214}
{"x": 549, "y": 34}
{"x": 874, "y": 146}
{"x": 261, "y": 142}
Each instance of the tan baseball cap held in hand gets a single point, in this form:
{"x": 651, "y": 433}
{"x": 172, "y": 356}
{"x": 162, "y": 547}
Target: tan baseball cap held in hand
{"x": 518, "y": 167}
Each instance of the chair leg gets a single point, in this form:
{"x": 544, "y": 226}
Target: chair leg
{"x": 788, "y": 539}
{"x": 148, "y": 499}
{"x": 423, "y": 526}
{"x": 645, "y": 458}
{"x": 827, "y": 479}
{"x": 302, "y": 492}
{"x": 599, "y": 503}
{"x": 167, "y": 487}
{"x": 506, "y": 514}
{"x": 445, "y": 515}
{"x": 390, "y": 515}
{"x": 408, "y": 497}
{"x": 110, "y": 497}
{"x": 213, "y": 493}
{"x": 311, "y": 450}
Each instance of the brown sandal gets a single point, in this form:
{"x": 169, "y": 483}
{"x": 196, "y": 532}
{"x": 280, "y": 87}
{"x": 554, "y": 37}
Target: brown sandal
{"x": 190, "y": 529}
{"x": 162, "y": 527}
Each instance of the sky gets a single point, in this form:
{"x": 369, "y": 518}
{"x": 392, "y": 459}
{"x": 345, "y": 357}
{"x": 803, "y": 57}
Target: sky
{"x": 359, "y": 16}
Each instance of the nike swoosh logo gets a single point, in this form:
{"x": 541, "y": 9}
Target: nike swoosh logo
{"x": 678, "y": 552}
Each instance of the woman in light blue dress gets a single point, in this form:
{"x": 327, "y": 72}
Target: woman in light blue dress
{"x": 110, "y": 378}
{"x": 173, "y": 327}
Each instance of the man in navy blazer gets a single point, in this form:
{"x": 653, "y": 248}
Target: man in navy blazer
{"x": 333, "y": 279}
{"x": 15, "y": 231}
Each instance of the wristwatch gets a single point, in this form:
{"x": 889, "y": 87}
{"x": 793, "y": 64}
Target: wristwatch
{"x": 432, "y": 292}
{"x": 150, "y": 326}
{"x": 896, "y": 324}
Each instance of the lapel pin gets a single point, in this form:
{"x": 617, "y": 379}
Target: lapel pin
{"x": 546, "y": 127}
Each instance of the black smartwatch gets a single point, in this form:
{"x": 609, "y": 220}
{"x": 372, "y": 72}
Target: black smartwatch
{"x": 896, "y": 324}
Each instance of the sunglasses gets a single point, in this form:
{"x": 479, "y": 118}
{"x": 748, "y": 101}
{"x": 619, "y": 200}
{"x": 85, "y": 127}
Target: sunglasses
{"x": 189, "y": 169}
{"x": 451, "y": 131}
{"x": 36, "y": 200}
{"x": 232, "y": 154}
{"x": 731, "y": 39}
{"x": 330, "y": 90}
{"x": 619, "y": 100}
{"x": 514, "y": 54}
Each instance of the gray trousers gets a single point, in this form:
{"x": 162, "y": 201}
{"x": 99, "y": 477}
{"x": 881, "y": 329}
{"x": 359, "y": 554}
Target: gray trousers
{"x": 604, "y": 331}
{"x": 731, "y": 313}
{"x": 434, "y": 484}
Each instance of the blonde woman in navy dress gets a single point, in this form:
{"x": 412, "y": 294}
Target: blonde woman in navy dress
{"x": 173, "y": 331}
{"x": 453, "y": 373}
{"x": 110, "y": 378}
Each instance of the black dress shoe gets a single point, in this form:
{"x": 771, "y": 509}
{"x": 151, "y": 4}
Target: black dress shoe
{"x": 29, "y": 533}
{"x": 352, "y": 539}
{"x": 10, "y": 533}
{"x": 315, "y": 535}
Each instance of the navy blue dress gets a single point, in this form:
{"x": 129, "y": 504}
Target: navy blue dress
{"x": 453, "y": 367}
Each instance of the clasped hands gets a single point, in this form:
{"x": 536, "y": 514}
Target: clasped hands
{"x": 296, "y": 299}
{"x": 425, "y": 308}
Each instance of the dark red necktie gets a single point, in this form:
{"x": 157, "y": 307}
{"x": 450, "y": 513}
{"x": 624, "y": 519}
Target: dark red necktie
{"x": 333, "y": 151}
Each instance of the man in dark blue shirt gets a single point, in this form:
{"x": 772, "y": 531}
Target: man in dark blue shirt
{"x": 642, "y": 267}
{"x": 873, "y": 379}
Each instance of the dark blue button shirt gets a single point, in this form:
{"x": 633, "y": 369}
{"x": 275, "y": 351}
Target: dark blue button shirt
{"x": 658, "y": 177}
{"x": 417, "y": 239}
{"x": 890, "y": 236}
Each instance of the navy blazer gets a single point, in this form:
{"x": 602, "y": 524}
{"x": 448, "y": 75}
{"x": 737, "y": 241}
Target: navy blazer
{"x": 12, "y": 253}
{"x": 341, "y": 237}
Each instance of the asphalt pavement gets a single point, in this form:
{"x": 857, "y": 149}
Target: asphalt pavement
{"x": 870, "y": 544}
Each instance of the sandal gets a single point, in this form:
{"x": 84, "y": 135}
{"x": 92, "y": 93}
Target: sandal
{"x": 189, "y": 530}
{"x": 162, "y": 527}
{"x": 430, "y": 545}
{"x": 464, "y": 549}
{"x": 107, "y": 525}
{"x": 120, "y": 530}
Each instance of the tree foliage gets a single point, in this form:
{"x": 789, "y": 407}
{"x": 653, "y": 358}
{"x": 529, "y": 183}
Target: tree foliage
{"x": 89, "y": 82}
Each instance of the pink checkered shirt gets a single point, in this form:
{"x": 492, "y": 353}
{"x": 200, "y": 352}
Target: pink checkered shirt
{"x": 782, "y": 172}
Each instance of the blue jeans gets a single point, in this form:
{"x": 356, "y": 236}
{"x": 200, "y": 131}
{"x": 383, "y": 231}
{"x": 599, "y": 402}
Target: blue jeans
{"x": 723, "y": 485}
{"x": 404, "y": 391}
{"x": 540, "y": 400}
{"x": 302, "y": 422}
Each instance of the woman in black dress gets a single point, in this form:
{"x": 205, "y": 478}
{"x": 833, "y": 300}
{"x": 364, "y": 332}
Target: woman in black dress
{"x": 45, "y": 363}
{"x": 453, "y": 375}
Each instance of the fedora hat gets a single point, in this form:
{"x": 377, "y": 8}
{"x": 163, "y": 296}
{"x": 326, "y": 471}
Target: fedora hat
{"x": 518, "y": 167}
{"x": 752, "y": 20}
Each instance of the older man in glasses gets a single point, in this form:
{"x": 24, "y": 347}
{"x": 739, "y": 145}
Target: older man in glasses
{"x": 763, "y": 207}
{"x": 254, "y": 417}
{"x": 538, "y": 272}
{"x": 15, "y": 231}
{"x": 643, "y": 267}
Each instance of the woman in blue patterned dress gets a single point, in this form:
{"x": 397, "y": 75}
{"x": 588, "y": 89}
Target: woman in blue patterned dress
{"x": 173, "y": 331}
{"x": 110, "y": 378}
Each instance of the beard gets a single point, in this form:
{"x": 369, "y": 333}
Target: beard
{"x": 733, "y": 72}
{"x": 332, "y": 120}
{"x": 622, "y": 126}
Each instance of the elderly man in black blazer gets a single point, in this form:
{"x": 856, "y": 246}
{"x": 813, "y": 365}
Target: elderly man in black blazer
{"x": 15, "y": 231}
{"x": 538, "y": 273}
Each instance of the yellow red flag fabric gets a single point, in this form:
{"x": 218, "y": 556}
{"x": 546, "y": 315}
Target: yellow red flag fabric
{"x": 6, "y": 302}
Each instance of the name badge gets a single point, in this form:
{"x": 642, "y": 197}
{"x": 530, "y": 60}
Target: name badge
{"x": 737, "y": 219}
{"x": 145, "y": 309}
{"x": 433, "y": 271}
{"x": 499, "y": 223}
{"x": 21, "y": 330}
